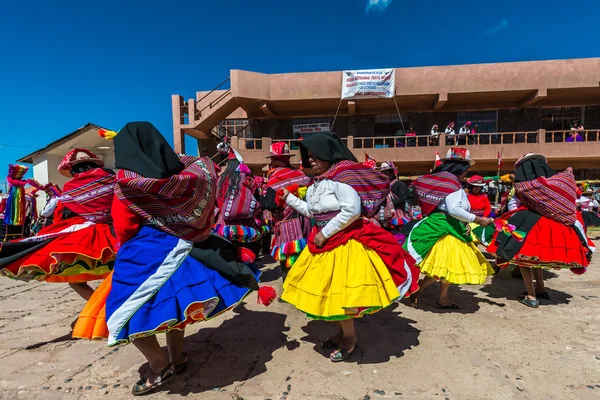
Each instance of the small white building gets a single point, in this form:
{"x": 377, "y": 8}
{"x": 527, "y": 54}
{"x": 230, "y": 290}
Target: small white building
{"x": 46, "y": 160}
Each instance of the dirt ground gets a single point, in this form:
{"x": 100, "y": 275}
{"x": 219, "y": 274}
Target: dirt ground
{"x": 493, "y": 348}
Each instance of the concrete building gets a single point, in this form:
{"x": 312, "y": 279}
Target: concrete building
{"x": 519, "y": 107}
{"x": 46, "y": 160}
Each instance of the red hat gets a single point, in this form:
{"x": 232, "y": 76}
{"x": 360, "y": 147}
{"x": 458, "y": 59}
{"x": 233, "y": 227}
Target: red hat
{"x": 279, "y": 149}
{"x": 476, "y": 180}
{"x": 458, "y": 154}
{"x": 77, "y": 156}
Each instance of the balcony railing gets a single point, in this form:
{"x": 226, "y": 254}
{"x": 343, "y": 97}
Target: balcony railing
{"x": 257, "y": 143}
{"x": 590, "y": 135}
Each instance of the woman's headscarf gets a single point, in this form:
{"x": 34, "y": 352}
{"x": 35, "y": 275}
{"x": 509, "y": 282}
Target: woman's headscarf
{"x": 140, "y": 147}
{"x": 533, "y": 168}
{"x": 455, "y": 167}
{"x": 326, "y": 146}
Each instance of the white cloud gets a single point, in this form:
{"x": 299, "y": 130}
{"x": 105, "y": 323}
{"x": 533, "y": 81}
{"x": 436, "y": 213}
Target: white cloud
{"x": 377, "y": 5}
{"x": 501, "y": 26}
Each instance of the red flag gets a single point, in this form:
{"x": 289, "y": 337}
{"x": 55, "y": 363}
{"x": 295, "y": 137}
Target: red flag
{"x": 438, "y": 162}
{"x": 500, "y": 164}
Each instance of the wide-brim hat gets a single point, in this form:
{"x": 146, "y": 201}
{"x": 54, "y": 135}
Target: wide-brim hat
{"x": 527, "y": 156}
{"x": 476, "y": 180}
{"x": 458, "y": 154}
{"x": 75, "y": 157}
{"x": 279, "y": 149}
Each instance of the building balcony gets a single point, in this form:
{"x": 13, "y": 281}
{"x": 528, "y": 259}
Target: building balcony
{"x": 416, "y": 155}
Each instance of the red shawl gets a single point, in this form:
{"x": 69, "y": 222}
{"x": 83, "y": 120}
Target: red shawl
{"x": 432, "y": 189}
{"x": 372, "y": 186}
{"x": 552, "y": 197}
{"x": 90, "y": 195}
{"x": 282, "y": 177}
{"x": 380, "y": 241}
{"x": 182, "y": 205}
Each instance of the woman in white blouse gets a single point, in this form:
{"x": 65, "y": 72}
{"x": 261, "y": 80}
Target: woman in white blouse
{"x": 441, "y": 242}
{"x": 341, "y": 274}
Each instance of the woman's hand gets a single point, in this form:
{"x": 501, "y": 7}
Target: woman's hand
{"x": 285, "y": 193}
{"x": 483, "y": 221}
{"x": 320, "y": 240}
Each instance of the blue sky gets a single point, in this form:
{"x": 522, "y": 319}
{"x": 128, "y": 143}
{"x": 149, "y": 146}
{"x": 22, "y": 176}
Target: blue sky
{"x": 65, "y": 63}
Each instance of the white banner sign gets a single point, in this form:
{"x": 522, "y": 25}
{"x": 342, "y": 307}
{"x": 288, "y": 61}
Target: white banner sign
{"x": 311, "y": 128}
{"x": 371, "y": 83}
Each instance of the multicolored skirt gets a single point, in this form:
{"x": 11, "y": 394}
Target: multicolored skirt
{"x": 74, "y": 250}
{"x": 290, "y": 241}
{"x": 241, "y": 231}
{"x": 547, "y": 244}
{"x": 157, "y": 287}
{"x": 443, "y": 250}
{"x": 347, "y": 282}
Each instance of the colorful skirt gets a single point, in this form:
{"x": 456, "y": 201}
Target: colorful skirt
{"x": 548, "y": 244}
{"x": 591, "y": 219}
{"x": 74, "y": 250}
{"x": 241, "y": 231}
{"x": 444, "y": 251}
{"x": 482, "y": 234}
{"x": 347, "y": 282}
{"x": 157, "y": 287}
{"x": 289, "y": 241}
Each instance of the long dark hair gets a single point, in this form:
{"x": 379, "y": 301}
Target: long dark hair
{"x": 229, "y": 181}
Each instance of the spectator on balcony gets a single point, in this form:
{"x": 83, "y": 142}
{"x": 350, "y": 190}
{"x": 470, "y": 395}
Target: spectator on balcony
{"x": 450, "y": 134}
{"x": 411, "y": 137}
{"x": 434, "y": 136}
{"x": 463, "y": 132}
{"x": 576, "y": 132}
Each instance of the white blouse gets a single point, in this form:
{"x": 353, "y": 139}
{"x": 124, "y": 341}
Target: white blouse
{"x": 457, "y": 205}
{"x": 326, "y": 196}
{"x": 586, "y": 203}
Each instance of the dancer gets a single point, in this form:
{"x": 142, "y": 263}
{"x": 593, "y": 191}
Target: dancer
{"x": 79, "y": 246}
{"x": 543, "y": 231}
{"x": 167, "y": 274}
{"x": 441, "y": 242}
{"x": 239, "y": 204}
{"x": 351, "y": 267}
{"x": 290, "y": 227}
{"x": 393, "y": 213}
{"x": 588, "y": 207}
{"x": 481, "y": 207}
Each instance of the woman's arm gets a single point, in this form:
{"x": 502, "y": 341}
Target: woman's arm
{"x": 454, "y": 202}
{"x": 488, "y": 207}
{"x": 350, "y": 206}
{"x": 299, "y": 205}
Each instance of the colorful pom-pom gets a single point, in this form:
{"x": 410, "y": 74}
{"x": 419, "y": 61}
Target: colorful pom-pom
{"x": 106, "y": 134}
{"x": 266, "y": 295}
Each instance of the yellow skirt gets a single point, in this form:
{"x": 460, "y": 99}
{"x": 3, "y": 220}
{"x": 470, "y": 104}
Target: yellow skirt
{"x": 346, "y": 282}
{"x": 453, "y": 261}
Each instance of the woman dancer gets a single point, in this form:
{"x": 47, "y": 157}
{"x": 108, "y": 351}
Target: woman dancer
{"x": 290, "y": 227}
{"x": 166, "y": 275}
{"x": 393, "y": 213}
{"x": 441, "y": 242}
{"x": 543, "y": 231}
{"x": 351, "y": 267}
{"x": 79, "y": 246}
{"x": 588, "y": 207}
{"x": 481, "y": 207}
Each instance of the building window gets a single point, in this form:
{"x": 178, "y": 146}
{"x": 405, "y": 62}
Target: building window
{"x": 233, "y": 127}
{"x": 486, "y": 121}
{"x": 560, "y": 119}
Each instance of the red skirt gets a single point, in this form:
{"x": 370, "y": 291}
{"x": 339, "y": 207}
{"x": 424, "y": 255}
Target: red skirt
{"x": 74, "y": 251}
{"x": 549, "y": 244}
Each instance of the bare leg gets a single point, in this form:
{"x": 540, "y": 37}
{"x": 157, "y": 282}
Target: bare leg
{"x": 528, "y": 280}
{"x": 82, "y": 289}
{"x": 538, "y": 274}
{"x": 423, "y": 283}
{"x": 175, "y": 345}
{"x": 348, "y": 334}
{"x": 444, "y": 300}
{"x": 157, "y": 359}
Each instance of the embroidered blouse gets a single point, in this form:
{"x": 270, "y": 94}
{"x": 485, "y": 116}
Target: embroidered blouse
{"x": 328, "y": 196}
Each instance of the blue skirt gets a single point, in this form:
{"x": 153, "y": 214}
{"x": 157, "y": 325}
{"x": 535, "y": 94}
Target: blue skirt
{"x": 157, "y": 287}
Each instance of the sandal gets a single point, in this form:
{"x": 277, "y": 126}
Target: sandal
{"x": 448, "y": 307}
{"x": 182, "y": 366}
{"x": 342, "y": 354}
{"x": 529, "y": 302}
{"x": 329, "y": 343}
{"x": 540, "y": 295}
{"x": 142, "y": 388}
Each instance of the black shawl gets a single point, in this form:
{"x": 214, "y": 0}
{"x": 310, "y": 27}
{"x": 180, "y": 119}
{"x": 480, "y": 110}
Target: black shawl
{"x": 326, "y": 146}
